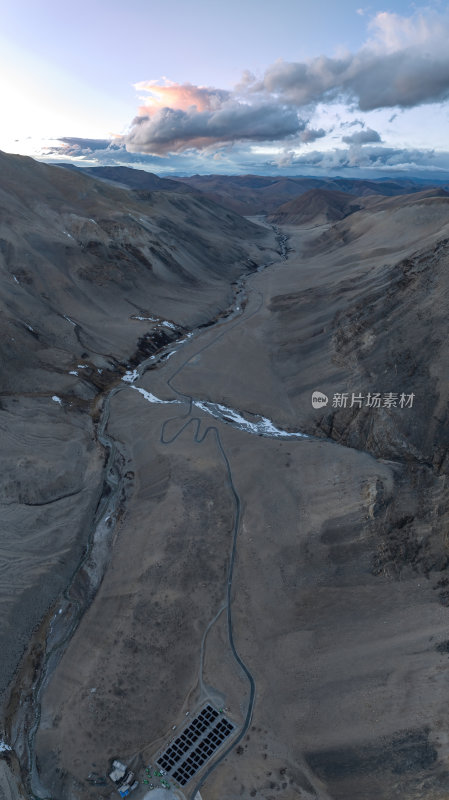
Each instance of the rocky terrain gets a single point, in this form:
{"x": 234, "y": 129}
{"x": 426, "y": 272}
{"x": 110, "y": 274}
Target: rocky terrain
{"x": 286, "y": 561}
{"x": 250, "y": 195}
{"x": 137, "y": 179}
{"x": 255, "y": 194}
{"x": 93, "y": 279}
{"x": 316, "y": 206}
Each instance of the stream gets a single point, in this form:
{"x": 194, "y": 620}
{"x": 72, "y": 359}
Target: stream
{"x": 89, "y": 571}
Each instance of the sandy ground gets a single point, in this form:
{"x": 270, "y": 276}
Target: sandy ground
{"x": 339, "y": 603}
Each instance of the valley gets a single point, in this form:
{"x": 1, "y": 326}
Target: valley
{"x": 201, "y": 532}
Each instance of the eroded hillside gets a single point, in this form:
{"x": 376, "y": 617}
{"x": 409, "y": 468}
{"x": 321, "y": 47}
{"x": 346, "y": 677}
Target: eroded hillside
{"x": 93, "y": 278}
{"x": 283, "y": 562}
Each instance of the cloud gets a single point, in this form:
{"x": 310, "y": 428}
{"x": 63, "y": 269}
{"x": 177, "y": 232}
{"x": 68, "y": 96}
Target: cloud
{"x": 92, "y": 152}
{"x": 362, "y": 137}
{"x": 73, "y": 146}
{"x": 370, "y": 161}
{"x": 182, "y": 96}
{"x": 392, "y": 33}
{"x": 175, "y": 130}
{"x": 374, "y": 160}
{"x": 354, "y": 122}
{"x": 311, "y": 134}
{"x": 354, "y": 161}
{"x": 404, "y": 63}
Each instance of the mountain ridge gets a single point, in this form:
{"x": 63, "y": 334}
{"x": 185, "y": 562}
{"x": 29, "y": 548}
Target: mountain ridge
{"x": 251, "y": 195}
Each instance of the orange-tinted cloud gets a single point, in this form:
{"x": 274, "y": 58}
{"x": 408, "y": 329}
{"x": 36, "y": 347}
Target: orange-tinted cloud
{"x": 176, "y": 117}
{"x": 404, "y": 64}
{"x": 182, "y": 96}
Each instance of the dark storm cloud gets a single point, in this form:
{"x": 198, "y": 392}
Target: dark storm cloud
{"x": 365, "y": 136}
{"x": 176, "y": 130}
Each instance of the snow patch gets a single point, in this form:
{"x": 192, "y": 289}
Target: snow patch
{"x": 169, "y": 325}
{"x": 68, "y": 319}
{"x": 16, "y": 279}
{"x": 4, "y": 748}
{"x": 57, "y": 399}
{"x": 73, "y": 372}
{"x": 261, "y": 426}
{"x": 151, "y": 397}
{"x": 130, "y": 376}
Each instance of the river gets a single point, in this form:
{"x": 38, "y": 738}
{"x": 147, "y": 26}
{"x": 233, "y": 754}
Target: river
{"x": 89, "y": 572}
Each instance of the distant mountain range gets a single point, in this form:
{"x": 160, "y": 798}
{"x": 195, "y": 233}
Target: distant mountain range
{"x": 251, "y": 195}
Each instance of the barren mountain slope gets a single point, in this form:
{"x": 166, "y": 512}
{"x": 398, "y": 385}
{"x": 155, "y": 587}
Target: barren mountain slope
{"x": 316, "y": 206}
{"x": 139, "y": 179}
{"x": 256, "y": 194}
{"x": 92, "y": 279}
{"x": 342, "y": 580}
{"x": 298, "y": 582}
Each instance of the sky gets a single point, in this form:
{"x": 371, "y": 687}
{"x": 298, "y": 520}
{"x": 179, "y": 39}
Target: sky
{"x": 242, "y": 86}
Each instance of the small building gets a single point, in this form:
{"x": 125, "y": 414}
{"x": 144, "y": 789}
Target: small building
{"x": 123, "y": 778}
{"x": 118, "y": 771}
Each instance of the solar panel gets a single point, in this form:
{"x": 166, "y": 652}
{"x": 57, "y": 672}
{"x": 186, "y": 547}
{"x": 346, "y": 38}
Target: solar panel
{"x": 195, "y": 745}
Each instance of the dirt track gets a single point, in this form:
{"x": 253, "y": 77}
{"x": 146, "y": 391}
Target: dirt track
{"x": 340, "y": 634}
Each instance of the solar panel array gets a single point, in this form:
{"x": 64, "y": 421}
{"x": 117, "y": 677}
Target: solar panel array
{"x": 203, "y": 751}
{"x": 187, "y": 754}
